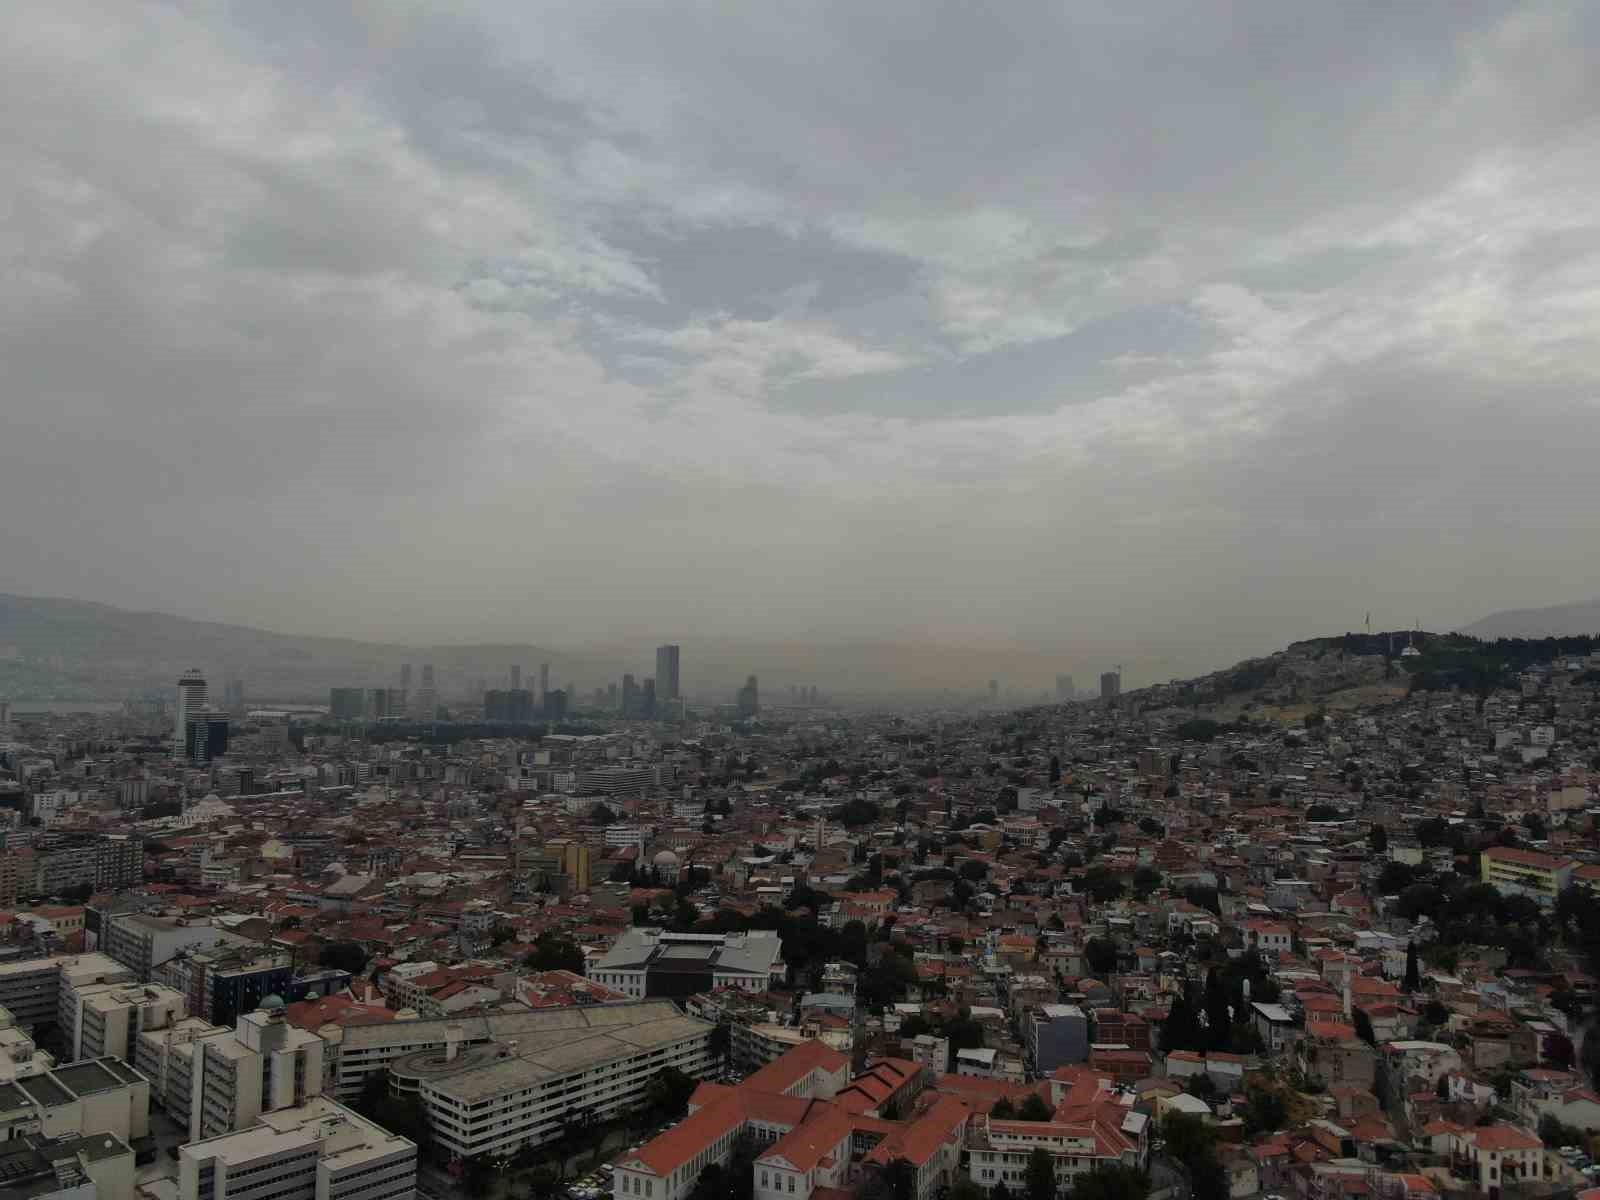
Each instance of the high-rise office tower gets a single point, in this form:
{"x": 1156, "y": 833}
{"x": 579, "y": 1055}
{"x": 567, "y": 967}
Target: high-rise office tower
{"x": 667, "y": 672}
{"x": 749, "y": 700}
{"x": 611, "y": 696}
{"x": 1111, "y": 685}
{"x": 516, "y": 677}
{"x": 233, "y": 692}
{"x": 192, "y": 700}
{"x": 647, "y": 699}
{"x": 205, "y": 736}
{"x": 630, "y": 697}
{"x": 555, "y": 705}
{"x": 1064, "y": 687}
{"x": 346, "y": 703}
{"x": 427, "y": 696}
{"x": 544, "y": 682}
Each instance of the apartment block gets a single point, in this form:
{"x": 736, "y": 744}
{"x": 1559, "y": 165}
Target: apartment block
{"x": 318, "y": 1150}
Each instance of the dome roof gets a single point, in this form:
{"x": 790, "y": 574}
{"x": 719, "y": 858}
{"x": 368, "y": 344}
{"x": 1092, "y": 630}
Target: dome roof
{"x": 272, "y": 1000}
{"x": 666, "y": 859}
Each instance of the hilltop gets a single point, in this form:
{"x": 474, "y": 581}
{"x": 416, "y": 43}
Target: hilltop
{"x": 1561, "y": 620}
{"x": 1355, "y": 670}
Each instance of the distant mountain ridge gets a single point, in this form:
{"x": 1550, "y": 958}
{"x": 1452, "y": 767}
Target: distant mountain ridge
{"x": 1560, "y": 620}
{"x": 76, "y": 650}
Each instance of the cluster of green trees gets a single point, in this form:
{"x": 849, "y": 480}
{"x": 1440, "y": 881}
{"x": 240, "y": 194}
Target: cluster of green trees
{"x": 1215, "y": 1015}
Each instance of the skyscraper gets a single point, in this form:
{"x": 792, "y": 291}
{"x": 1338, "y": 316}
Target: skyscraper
{"x": 647, "y": 700}
{"x": 192, "y": 700}
{"x": 667, "y": 672}
{"x": 516, "y": 676}
{"x": 1110, "y": 685}
{"x": 1064, "y": 687}
{"x": 749, "y": 699}
{"x": 544, "y": 682}
{"x": 427, "y": 696}
{"x": 630, "y": 696}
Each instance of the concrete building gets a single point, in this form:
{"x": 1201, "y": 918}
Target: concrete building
{"x": 519, "y": 1085}
{"x": 215, "y": 1080}
{"x": 99, "y": 1019}
{"x": 31, "y": 990}
{"x": 319, "y": 1150}
{"x": 95, "y": 1096}
{"x": 649, "y": 962}
{"x": 1541, "y": 877}
{"x": 191, "y": 701}
{"x": 143, "y": 943}
{"x": 667, "y": 663}
{"x": 1057, "y": 1035}
{"x": 98, "y": 1167}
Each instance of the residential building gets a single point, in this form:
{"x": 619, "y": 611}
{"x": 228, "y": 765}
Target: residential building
{"x": 318, "y": 1150}
{"x": 649, "y": 962}
{"x": 1056, "y": 1035}
{"x": 1541, "y": 877}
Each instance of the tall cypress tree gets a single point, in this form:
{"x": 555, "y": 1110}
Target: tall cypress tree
{"x": 1413, "y": 975}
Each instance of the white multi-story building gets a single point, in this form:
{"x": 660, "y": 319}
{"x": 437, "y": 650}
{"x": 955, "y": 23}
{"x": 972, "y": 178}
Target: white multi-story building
{"x": 653, "y": 962}
{"x": 318, "y": 1150}
{"x": 31, "y": 990}
{"x": 106, "y": 1018}
{"x": 215, "y": 1080}
{"x": 498, "y": 1082}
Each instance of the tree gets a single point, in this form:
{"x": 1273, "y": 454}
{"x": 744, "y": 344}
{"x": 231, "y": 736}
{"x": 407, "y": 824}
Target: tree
{"x": 343, "y": 956}
{"x": 601, "y": 815}
{"x": 719, "y": 1043}
{"x": 1111, "y": 1183}
{"x": 1102, "y": 884}
{"x": 1040, "y": 1176}
{"x": 668, "y": 1092}
{"x": 1264, "y": 1112}
{"x": 1145, "y": 881}
{"x": 1219, "y": 1017}
{"x": 1378, "y": 840}
{"x": 553, "y": 952}
{"x": 1192, "y": 1143}
{"x": 1413, "y": 982}
{"x": 1034, "y": 1109}
{"x": 1003, "y": 1110}
{"x": 1101, "y": 955}
{"x": 1363, "y": 1025}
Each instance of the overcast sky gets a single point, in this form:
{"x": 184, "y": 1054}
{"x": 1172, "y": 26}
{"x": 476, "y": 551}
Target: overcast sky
{"x": 1179, "y": 329}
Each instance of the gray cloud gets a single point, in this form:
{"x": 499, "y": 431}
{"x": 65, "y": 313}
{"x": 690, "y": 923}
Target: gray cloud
{"x": 1170, "y": 332}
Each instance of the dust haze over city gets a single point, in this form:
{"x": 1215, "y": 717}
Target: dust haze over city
{"x": 960, "y": 342}
{"x": 844, "y": 600}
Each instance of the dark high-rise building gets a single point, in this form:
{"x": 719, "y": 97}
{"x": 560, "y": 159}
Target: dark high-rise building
{"x": 1111, "y": 685}
{"x": 515, "y": 705}
{"x": 555, "y": 705}
{"x": 544, "y": 682}
{"x": 611, "y": 696}
{"x": 1064, "y": 687}
{"x": 647, "y": 699}
{"x": 516, "y": 676}
{"x": 405, "y": 675}
{"x": 667, "y": 672}
{"x": 347, "y": 704}
{"x": 206, "y": 737}
{"x": 749, "y": 700}
{"x": 630, "y": 697}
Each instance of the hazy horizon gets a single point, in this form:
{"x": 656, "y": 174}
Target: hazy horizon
{"x": 1163, "y": 334}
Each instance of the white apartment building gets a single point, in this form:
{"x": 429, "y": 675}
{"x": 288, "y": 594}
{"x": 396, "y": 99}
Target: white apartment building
{"x": 102, "y": 1095}
{"x": 106, "y": 1018}
{"x": 318, "y": 1150}
{"x": 31, "y": 990}
{"x": 216, "y": 1080}
{"x": 646, "y": 961}
{"x": 498, "y": 1082}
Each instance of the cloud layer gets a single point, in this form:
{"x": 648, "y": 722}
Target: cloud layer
{"x": 1171, "y": 332}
